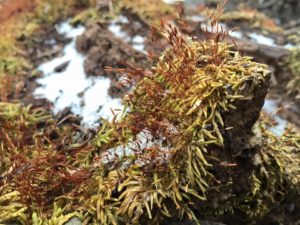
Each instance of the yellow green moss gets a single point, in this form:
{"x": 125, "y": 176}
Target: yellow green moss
{"x": 150, "y": 11}
{"x": 179, "y": 101}
{"x": 274, "y": 179}
{"x": 152, "y": 162}
{"x": 293, "y": 64}
{"x": 178, "y": 105}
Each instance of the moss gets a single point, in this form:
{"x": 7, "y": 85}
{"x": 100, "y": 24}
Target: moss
{"x": 161, "y": 158}
{"x": 285, "y": 150}
{"x": 33, "y": 170}
{"x": 173, "y": 119}
{"x": 50, "y": 11}
{"x": 176, "y": 107}
{"x": 278, "y": 171}
{"x": 293, "y": 64}
{"x": 272, "y": 179}
{"x": 86, "y": 16}
{"x": 151, "y": 11}
{"x": 11, "y": 61}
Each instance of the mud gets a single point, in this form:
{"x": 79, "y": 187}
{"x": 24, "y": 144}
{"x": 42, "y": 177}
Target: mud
{"x": 113, "y": 46}
{"x": 109, "y": 45}
{"x": 44, "y": 45}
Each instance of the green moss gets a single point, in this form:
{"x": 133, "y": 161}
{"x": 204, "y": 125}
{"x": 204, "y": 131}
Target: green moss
{"x": 275, "y": 177}
{"x": 293, "y": 63}
{"x": 158, "y": 159}
{"x": 86, "y": 16}
{"x": 11, "y": 112}
{"x": 177, "y": 105}
{"x": 178, "y": 102}
{"x": 150, "y": 11}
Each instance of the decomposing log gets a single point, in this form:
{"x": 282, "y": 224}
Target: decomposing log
{"x": 261, "y": 52}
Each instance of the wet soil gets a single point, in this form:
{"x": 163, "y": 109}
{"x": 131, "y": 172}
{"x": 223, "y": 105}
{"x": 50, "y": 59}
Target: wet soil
{"x": 43, "y": 46}
{"x": 102, "y": 50}
{"x": 106, "y": 52}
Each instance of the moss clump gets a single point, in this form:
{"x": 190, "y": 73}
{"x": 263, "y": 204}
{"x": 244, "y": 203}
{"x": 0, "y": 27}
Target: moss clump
{"x": 34, "y": 172}
{"x": 15, "y": 120}
{"x": 153, "y": 163}
{"x": 11, "y": 64}
{"x": 174, "y": 120}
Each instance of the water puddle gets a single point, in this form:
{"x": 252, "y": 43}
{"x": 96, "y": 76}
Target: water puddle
{"x": 236, "y": 34}
{"x": 256, "y": 37}
{"x": 261, "y": 39}
{"x": 270, "y": 107}
{"x": 137, "y": 41}
{"x": 290, "y": 46}
{"x": 265, "y": 40}
{"x": 86, "y": 96}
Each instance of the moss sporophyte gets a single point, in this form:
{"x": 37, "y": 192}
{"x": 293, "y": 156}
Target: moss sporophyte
{"x": 167, "y": 155}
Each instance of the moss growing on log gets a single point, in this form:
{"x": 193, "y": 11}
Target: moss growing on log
{"x": 263, "y": 179}
{"x": 174, "y": 126}
{"x": 186, "y": 146}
